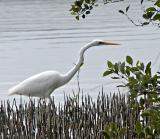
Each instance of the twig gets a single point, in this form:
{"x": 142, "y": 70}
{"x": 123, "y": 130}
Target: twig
{"x": 78, "y": 84}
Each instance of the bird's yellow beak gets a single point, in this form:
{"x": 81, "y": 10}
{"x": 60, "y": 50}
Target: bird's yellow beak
{"x": 108, "y": 43}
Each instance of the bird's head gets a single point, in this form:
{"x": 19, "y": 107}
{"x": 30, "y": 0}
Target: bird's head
{"x": 92, "y": 44}
{"x": 101, "y": 42}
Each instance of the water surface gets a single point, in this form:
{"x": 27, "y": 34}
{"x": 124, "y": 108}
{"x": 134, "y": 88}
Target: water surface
{"x": 39, "y": 35}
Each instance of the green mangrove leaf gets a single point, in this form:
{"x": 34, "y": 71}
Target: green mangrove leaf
{"x": 129, "y": 60}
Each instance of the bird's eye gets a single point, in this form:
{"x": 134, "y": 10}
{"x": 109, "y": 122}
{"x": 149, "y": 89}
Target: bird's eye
{"x": 100, "y": 42}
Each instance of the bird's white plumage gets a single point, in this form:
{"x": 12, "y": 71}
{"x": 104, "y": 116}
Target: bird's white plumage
{"x": 43, "y": 84}
{"x": 39, "y": 85}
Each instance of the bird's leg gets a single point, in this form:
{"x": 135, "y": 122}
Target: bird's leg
{"x": 21, "y": 105}
{"x": 50, "y": 98}
{"x": 51, "y": 101}
{"x": 20, "y": 99}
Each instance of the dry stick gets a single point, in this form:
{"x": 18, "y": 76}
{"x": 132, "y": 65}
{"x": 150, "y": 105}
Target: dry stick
{"x": 74, "y": 120}
{"x": 78, "y": 84}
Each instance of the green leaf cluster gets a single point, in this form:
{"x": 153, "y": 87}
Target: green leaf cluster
{"x": 138, "y": 78}
{"x": 111, "y": 131}
{"x": 151, "y": 129}
{"x": 81, "y": 8}
{"x": 144, "y": 93}
{"x": 151, "y": 14}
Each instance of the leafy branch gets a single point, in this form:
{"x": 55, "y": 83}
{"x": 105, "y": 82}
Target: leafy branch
{"x": 138, "y": 78}
{"x": 82, "y": 8}
{"x": 144, "y": 93}
{"x": 151, "y": 14}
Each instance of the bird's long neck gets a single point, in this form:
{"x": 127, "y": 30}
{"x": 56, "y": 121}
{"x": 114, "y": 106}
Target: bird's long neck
{"x": 68, "y": 76}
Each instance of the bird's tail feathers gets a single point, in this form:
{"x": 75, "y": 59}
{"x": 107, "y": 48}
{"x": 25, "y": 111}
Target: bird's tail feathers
{"x": 12, "y": 92}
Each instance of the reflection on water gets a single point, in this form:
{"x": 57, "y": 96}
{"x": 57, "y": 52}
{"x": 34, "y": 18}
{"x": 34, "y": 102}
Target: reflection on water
{"x": 41, "y": 35}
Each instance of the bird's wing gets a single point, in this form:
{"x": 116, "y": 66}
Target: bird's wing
{"x": 38, "y": 85}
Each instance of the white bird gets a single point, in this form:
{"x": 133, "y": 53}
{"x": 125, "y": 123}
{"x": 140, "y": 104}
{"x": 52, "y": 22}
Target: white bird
{"x": 43, "y": 84}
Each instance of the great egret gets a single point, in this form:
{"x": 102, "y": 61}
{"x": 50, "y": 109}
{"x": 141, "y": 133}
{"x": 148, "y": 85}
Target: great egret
{"x": 43, "y": 84}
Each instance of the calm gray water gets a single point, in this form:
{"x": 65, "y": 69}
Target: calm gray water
{"x": 39, "y": 35}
